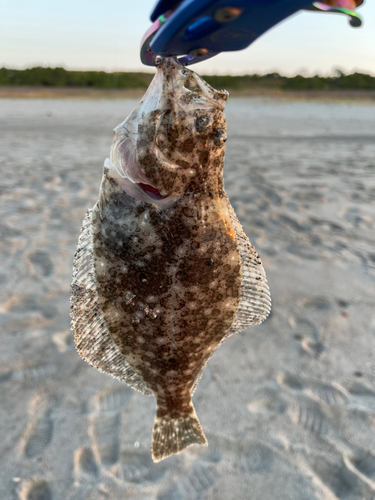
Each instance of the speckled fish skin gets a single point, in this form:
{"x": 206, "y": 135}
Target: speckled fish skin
{"x": 163, "y": 272}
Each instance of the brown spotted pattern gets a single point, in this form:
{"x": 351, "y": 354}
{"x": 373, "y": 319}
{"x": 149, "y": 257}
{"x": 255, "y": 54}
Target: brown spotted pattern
{"x": 173, "y": 275}
{"x": 168, "y": 283}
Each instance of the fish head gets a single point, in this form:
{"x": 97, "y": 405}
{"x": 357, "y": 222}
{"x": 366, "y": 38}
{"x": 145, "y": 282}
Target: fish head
{"x": 174, "y": 141}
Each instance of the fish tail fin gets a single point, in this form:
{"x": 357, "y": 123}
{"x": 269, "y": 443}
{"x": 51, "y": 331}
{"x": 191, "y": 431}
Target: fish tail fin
{"x": 173, "y": 434}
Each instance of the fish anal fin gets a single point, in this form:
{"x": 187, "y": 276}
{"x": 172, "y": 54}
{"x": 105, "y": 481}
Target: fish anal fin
{"x": 173, "y": 435}
{"x": 92, "y": 337}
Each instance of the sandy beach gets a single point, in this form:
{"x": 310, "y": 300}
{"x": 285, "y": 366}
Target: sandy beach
{"x": 84, "y": 93}
{"x": 288, "y": 407}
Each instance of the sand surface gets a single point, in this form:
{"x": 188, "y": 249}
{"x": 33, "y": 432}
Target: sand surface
{"x": 288, "y": 407}
{"x": 85, "y": 93}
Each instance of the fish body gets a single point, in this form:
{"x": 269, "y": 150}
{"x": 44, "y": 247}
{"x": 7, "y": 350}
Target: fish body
{"x": 163, "y": 272}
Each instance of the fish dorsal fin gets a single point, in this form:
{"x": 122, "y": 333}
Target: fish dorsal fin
{"x": 92, "y": 338}
{"x": 255, "y": 301}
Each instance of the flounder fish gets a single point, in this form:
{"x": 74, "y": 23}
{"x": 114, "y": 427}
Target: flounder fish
{"x": 163, "y": 272}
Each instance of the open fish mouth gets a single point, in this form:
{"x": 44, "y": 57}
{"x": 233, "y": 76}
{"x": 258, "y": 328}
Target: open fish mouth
{"x": 141, "y": 191}
{"x": 151, "y": 191}
{"x": 134, "y": 182}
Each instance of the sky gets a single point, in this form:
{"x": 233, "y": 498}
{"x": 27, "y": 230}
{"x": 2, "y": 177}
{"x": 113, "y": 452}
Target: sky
{"x": 105, "y": 35}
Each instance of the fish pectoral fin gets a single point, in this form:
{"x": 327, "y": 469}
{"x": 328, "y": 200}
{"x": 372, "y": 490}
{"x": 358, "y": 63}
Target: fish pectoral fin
{"x": 172, "y": 435}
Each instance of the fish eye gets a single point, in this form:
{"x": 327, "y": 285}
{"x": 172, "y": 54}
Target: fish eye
{"x": 220, "y": 138}
{"x": 202, "y": 122}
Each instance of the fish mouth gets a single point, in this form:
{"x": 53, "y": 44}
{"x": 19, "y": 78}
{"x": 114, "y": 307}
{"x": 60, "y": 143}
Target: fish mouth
{"x": 151, "y": 191}
{"x": 124, "y": 160}
{"x": 141, "y": 191}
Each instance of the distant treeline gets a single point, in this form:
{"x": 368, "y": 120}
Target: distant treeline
{"x": 60, "y": 77}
